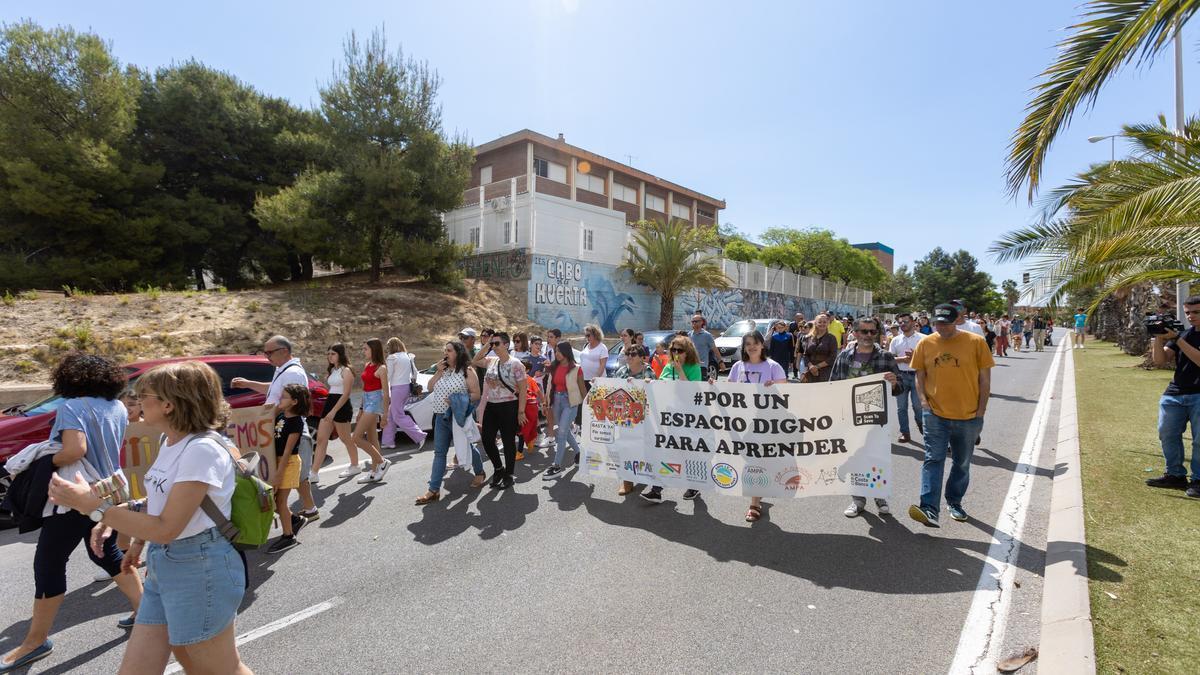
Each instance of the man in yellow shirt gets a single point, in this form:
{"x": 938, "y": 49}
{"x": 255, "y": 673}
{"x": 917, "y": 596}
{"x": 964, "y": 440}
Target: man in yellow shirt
{"x": 954, "y": 380}
{"x": 837, "y": 329}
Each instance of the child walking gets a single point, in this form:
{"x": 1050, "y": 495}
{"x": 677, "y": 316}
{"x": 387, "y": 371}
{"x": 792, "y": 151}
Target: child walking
{"x": 294, "y": 404}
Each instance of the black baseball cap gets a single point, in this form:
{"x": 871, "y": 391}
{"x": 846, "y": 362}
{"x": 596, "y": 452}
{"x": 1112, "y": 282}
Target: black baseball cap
{"x": 945, "y": 313}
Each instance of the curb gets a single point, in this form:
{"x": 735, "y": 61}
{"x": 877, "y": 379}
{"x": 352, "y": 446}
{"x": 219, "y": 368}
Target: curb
{"x": 1066, "y": 642}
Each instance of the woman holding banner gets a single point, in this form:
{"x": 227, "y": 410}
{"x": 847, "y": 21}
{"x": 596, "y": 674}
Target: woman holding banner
{"x": 684, "y": 365}
{"x": 756, "y": 368}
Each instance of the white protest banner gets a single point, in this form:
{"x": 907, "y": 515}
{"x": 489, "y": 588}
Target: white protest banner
{"x": 250, "y": 429}
{"x": 791, "y": 440}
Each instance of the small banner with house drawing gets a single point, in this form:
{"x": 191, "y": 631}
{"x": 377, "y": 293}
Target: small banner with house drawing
{"x": 791, "y": 440}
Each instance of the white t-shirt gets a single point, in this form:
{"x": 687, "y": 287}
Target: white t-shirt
{"x": 291, "y": 372}
{"x": 590, "y": 360}
{"x": 972, "y": 327}
{"x": 201, "y": 460}
{"x": 399, "y": 367}
{"x": 901, "y": 344}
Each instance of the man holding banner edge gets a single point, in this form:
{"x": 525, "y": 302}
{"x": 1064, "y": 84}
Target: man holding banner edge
{"x": 864, "y": 357}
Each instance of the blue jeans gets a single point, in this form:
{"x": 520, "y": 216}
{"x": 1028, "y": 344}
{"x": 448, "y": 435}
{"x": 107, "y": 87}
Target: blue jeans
{"x": 1174, "y": 413}
{"x": 443, "y": 437}
{"x": 957, "y": 438}
{"x": 909, "y": 379}
{"x": 563, "y": 412}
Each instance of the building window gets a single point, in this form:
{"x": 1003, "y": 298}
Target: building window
{"x": 586, "y": 181}
{"x": 473, "y": 237}
{"x": 547, "y": 169}
{"x": 623, "y": 193}
{"x": 681, "y": 211}
{"x": 655, "y": 203}
{"x": 485, "y": 175}
{"x": 510, "y": 232}
{"x": 705, "y": 213}
{"x": 589, "y": 239}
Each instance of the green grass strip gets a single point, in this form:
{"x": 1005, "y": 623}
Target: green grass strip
{"x": 1143, "y": 543}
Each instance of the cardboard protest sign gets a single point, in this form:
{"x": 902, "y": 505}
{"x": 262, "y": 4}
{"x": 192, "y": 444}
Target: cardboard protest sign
{"x": 251, "y": 430}
{"x": 791, "y": 440}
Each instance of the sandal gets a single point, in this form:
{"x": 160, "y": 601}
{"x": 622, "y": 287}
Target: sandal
{"x": 753, "y": 513}
{"x": 428, "y": 498}
{"x": 479, "y": 481}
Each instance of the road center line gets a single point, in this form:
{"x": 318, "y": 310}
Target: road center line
{"x": 276, "y": 625}
{"x": 983, "y": 631}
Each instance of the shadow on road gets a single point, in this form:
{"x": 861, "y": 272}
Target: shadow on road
{"x": 886, "y": 558}
{"x": 982, "y": 458}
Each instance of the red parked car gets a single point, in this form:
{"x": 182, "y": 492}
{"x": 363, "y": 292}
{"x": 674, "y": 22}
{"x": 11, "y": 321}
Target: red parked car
{"x": 22, "y": 425}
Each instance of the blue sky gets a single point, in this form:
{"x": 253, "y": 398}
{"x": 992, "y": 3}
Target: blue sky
{"x": 883, "y": 121}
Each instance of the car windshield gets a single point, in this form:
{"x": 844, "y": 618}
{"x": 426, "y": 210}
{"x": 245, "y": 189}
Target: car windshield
{"x": 739, "y": 329}
{"x": 46, "y": 405}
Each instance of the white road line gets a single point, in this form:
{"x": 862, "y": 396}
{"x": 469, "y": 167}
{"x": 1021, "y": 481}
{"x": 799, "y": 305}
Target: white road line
{"x": 983, "y": 631}
{"x": 276, "y": 625}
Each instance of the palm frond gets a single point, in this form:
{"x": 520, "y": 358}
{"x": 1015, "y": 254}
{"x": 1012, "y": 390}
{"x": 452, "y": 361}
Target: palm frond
{"x": 1113, "y": 34}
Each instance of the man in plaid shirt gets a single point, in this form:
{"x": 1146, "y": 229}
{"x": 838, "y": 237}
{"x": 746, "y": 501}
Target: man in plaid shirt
{"x": 864, "y": 357}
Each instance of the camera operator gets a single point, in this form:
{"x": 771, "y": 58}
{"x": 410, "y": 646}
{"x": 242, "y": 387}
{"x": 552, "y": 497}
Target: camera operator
{"x": 1180, "y": 403}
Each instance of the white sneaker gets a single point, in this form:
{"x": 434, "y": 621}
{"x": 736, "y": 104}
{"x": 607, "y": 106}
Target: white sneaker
{"x": 101, "y": 577}
{"x": 371, "y": 477}
{"x": 422, "y": 443}
{"x": 349, "y": 471}
{"x": 314, "y": 478}
{"x": 383, "y": 468}
{"x": 852, "y": 511}
{"x": 388, "y": 447}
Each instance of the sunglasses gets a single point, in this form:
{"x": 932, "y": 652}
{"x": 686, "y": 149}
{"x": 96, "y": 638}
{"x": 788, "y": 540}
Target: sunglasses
{"x": 495, "y": 343}
{"x": 677, "y": 350}
{"x": 867, "y": 331}
{"x": 269, "y": 352}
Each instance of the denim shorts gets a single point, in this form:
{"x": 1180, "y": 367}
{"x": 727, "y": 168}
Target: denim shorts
{"x": 194, "y": 586}
{"x": 373, "y": 402}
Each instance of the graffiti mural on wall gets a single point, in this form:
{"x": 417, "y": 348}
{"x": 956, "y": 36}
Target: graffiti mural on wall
{"x": 567, "y": 294}
{"x": 723, "y": 308}
{"x": 504, "y": 265}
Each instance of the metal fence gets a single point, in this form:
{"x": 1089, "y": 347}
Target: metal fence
{"x": 753, "y": 276}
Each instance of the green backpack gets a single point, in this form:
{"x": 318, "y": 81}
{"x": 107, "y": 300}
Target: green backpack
{"x": 253, "y": 505}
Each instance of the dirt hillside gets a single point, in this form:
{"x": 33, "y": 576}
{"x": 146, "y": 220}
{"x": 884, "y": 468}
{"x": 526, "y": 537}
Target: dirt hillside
{"x": 36, "y": 329}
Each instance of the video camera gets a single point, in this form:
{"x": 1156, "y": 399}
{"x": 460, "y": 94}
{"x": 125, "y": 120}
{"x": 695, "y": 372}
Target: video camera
{"x": 1157, "y": 324}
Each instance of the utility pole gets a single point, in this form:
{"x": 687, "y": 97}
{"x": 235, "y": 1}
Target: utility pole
{"x": 1184, "y": 285}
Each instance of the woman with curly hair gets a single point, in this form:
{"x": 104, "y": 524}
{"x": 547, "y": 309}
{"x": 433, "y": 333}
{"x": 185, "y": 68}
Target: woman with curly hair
{"x": 90, "y": 424}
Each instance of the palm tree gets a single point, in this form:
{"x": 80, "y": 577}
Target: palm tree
{"x": 1119, "y": 225}
{"x": 1112, "y": 34}
{"x": 671, "y": 258}
{"x": 1011, "y": 294}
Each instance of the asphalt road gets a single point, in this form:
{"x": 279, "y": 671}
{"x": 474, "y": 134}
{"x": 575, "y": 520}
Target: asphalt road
{"x": 567, "y": 576}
